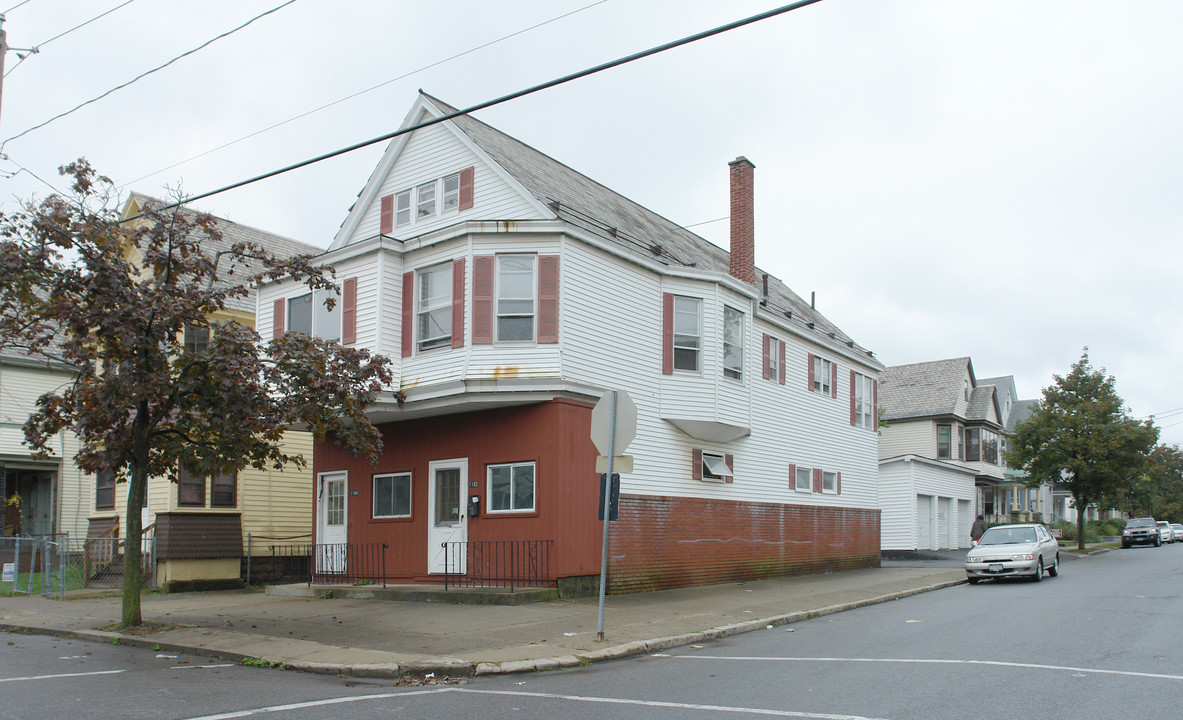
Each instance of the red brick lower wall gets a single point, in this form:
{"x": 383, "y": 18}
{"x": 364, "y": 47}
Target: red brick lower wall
{"x": 668, "y": 542}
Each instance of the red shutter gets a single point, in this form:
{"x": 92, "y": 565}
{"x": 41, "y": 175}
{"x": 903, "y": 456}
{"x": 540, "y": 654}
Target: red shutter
{"x": 349, "y": 312}
{"x": 466, "y": 187}
{"x": 767, "y": 367}
{"x": 838, "y": 485}
{"x": 408, "y": 313}
{"x": 853, "y": 409}
{"x": 792, "y": 476}
{"x": 458, "y": 303}
{"x": 817, "y": 480}
{"x": 810, "y": 372}
{"x": 386, "y": 224}
{"x": 730, "y": 460}
{"x": 875, "y": 405}
{"x": 667, "y": 334}
{"x": 277, "y": 318}
{"x": 548, "y": 298}
{"x": 833, "y": 380}
{"x": 782, "y": 362}
{"x": 482, "y": 300}
{"x": 696, "y": 463}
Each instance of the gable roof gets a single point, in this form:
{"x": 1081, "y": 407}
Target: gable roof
{"x": 635, "y": 230}
{"x": 923, "y": 389}
{"x": 1020, "y": 411}
{"x": 981, "y": 399}
{"x": 232, "y": 233}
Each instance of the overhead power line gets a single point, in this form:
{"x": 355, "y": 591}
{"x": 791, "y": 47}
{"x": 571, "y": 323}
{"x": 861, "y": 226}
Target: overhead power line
{"x": 362, "y": 92}
{"x": 148, "y": 72}
{"x": 506, "y": 98}
{"x": 37, "y": 48}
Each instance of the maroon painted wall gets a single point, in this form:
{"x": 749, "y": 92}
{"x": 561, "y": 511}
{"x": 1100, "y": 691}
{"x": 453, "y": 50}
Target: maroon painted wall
{"x": 555, "y": 435}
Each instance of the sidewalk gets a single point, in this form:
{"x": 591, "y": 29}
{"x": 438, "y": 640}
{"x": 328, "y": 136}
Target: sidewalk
{"x": 389, "y": 638}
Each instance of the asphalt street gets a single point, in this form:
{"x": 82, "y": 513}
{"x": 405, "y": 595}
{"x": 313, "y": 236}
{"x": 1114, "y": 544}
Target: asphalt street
{"x": 1098, "y": 641}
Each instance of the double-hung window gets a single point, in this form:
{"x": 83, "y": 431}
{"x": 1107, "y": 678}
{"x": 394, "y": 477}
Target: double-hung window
{"x": 402, "y": 208}
{"x": 864, "y": 400}
{"x": 944, "y": 442}
{"x": 190, "y": 489}
{"x": 309, "y": 314}
{"x": 196, "y": 338}
{"x": 104, "y": 492}
{"x": 451, "y": 192}
{"x": 687, "y": 333}
{"x": 511, "y": 487}
{"x": 426, "y": 205}
{"x": 224, "y": 490}
{"x": 823, "y": 371}
{"x": 435, "y": 307}
{"x": 392, "y": 495}
{"x": 515, "y": 298}
{"x": 732, "y": 343}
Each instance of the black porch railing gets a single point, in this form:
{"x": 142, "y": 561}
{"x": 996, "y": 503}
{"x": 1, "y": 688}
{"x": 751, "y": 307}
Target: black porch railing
{"x": 497, "y": 563}
{"x": 348, "y": 563}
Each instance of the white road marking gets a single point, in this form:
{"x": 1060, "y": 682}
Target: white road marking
{"x": 929, "y": 661}
{"x": 541, "y": 696}
{"x": 61, "y": 675}
{"x": 315, "y": 703}
{"x": 199, "y": 667}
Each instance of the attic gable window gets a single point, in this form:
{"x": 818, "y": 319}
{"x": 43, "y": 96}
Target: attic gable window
{"x": 402, "y": 208}
{"x": 427, "y": 201}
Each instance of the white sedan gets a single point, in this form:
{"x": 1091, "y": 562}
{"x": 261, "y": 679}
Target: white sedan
{"x": 1025, "y": 550}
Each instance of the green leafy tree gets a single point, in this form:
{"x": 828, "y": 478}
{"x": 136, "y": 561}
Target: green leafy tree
{"x": 113, "y": 302}
{"x": 1081, "y": 437}
{"x": 1158, "y": 490}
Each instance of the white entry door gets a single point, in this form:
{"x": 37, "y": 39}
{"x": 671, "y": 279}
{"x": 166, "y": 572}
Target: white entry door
{"x": 332, "y": 499}
{"x": 446, "y": 493}
{"x": 924, "y": 522}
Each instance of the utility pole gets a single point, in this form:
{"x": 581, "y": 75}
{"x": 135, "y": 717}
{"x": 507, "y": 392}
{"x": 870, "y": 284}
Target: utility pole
{"x": 3, "y": 52}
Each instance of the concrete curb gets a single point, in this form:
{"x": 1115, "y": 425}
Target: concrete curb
{"x": 455, "y": 667}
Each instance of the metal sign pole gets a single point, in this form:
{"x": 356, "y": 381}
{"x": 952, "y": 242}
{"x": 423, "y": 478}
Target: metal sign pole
{"x": 607, "y": 502}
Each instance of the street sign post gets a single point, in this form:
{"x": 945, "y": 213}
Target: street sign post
{"x": 613, "y": 427}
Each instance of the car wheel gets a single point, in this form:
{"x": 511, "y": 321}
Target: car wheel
{"x": 1125, "y": 544}
{"x": 1054, "y": 570}
{"x": 974, "y": 580}
{"x": 1158, "y": 542}
{"x": 1038, "y": 576}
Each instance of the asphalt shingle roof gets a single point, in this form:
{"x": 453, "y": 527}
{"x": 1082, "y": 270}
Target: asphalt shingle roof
{"x": 232, "y": 233}
{"x": 584, "y": 202}
{"x": 922, "y": 389}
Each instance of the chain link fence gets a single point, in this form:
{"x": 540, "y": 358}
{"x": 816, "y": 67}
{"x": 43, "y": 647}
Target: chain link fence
{"x": 54, "y": 565}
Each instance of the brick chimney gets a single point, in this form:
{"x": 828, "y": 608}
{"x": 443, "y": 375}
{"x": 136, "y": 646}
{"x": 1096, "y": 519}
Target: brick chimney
{"x": 743, "y": 220}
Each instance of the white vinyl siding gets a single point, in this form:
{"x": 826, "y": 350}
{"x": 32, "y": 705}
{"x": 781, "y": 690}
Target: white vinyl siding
{"x": 901, "y": 482}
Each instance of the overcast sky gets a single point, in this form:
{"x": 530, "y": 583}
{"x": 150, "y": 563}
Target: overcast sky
{"x": 998, "y": 180}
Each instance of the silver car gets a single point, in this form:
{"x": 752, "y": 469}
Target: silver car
{"x": 1025, "y": 550}
{"x": 1177, "y": 532}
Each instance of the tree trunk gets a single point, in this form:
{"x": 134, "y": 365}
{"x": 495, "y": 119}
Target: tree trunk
{"x": 137, "y": 491}
{"x": 1080, "y": 522}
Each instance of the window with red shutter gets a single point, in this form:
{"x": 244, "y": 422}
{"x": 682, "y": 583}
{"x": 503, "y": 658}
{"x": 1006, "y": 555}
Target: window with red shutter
{"x": 667, "y": 334}
{"x": 482, "y": 300}
{"x": 696, "y": 463}
{"x": 386, "y": 215}
{"x": 408, "y": 313}
{"x": 458, "y": 303}
{"x": 349, "y": 312}
{"x": 277, "y": 317}
{"x": 548, "y": 298}
{"x": 467, "y": 178}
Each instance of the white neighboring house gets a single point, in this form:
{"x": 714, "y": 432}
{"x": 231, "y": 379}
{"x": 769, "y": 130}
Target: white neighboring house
{"x": 512, "y": 291}
{"x": 941, "y": 454}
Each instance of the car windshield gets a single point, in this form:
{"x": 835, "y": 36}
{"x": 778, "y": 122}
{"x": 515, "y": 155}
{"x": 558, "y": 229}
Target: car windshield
{"x": 1140, "y": 522}
{"x": 1008, "y": 536}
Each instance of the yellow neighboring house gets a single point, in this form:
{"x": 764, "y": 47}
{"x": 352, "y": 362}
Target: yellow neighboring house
{"x": 201, "y": 525}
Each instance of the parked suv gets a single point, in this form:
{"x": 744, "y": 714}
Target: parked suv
{"x": 1141, "y": 531}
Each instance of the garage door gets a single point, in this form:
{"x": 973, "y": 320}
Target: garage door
{"x": 924, "y": 522}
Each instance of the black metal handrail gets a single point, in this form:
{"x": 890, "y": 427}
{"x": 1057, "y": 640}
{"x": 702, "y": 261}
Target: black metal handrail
{"x": 348, "y": 563}
{"x": 497, "y": 563}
